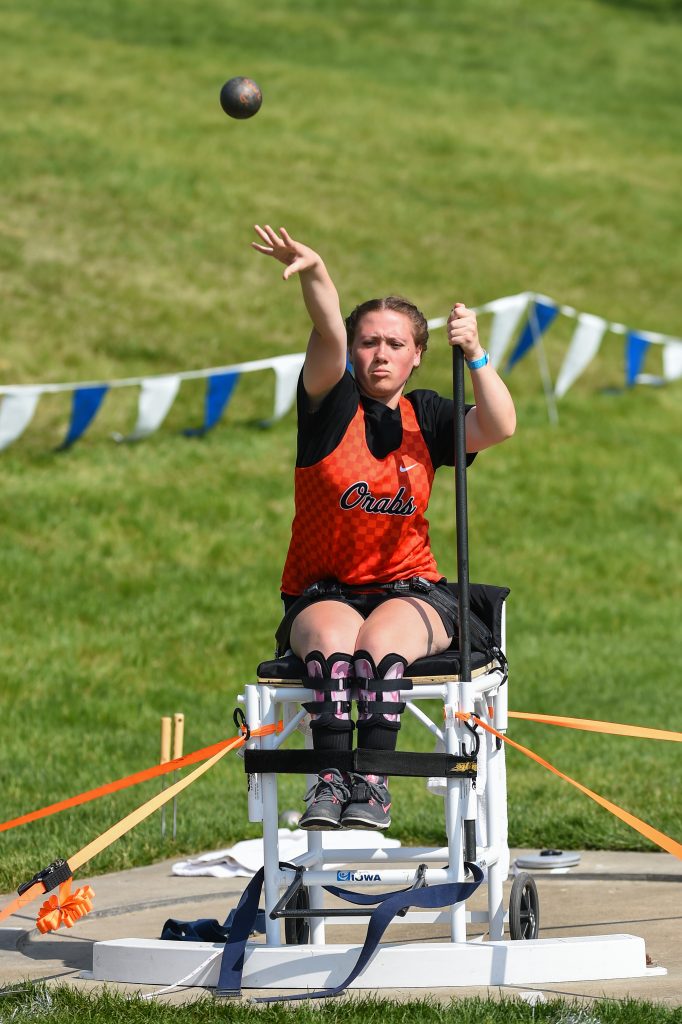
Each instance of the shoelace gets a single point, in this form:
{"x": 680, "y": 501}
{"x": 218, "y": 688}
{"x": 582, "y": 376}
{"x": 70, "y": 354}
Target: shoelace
{"x": 375, "y": 789}
{"x": 336, "y": 784}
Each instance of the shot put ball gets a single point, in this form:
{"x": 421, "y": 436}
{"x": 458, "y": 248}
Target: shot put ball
{"x": 241, "y": 98}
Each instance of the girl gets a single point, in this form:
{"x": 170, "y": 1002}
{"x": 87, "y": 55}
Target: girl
{"x": 362, "y": 594}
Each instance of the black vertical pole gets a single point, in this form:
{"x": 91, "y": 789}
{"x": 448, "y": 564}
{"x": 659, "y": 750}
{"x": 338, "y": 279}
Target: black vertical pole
{"x": 461, "y": 519}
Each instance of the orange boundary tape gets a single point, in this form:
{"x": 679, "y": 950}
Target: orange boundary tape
{"x": 648, "y": 831}
{"x": 585, "y": 724}
{"x": 592, "y": 725}
{"x": 38, "y": 889}
{"x": 114, "y": 787}
{"x": 89, "y": 851}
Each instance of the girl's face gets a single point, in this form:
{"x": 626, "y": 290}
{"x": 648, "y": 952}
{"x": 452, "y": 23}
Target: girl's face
{"x": 384, "y": 354}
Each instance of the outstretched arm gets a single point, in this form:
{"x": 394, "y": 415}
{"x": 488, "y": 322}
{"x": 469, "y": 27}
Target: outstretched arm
{"x": 493, "y": 418}
{"x": 325, "y": 360}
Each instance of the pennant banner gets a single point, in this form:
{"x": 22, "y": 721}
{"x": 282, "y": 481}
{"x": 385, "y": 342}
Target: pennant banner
{"x": 157, "y": 394}
{"x": 84, "y": 407}
{"x": 219, "y": 390}
{"x": 636, "y": 348}
{"x": 672, "y": 360}
{"x": 218, "y": 394}
{"x": 581, "y": 351}
{"x": 540, "y": 316}
{"x": 287, "y": 372}
{"x": 16, "y": 412}
{"x": 506, "y": 315}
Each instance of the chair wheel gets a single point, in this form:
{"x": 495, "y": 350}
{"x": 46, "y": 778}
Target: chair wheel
{"x": 297, "y": 929}
{"x": 524, "y": 908}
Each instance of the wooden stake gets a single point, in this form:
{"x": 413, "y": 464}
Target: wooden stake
{"x": 164, "y": 758}
{"x": 178, "y": 740}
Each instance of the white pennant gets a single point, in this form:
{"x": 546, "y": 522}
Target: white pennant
{"x": 584, "y": 346}
{"x": 672, "y": 360}
{"x": 16, "y": 412}
{"x": 506, "y": 315}
{"x": 287, "y": 371}
{"x": 157, "y": 394}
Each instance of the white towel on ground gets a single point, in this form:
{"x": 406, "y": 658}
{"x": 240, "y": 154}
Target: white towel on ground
{"x": 246, "y": 857}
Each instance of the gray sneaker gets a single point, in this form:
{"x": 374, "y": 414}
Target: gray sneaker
{"x": 369, "y": 803}
{"x": 327, "y": 799}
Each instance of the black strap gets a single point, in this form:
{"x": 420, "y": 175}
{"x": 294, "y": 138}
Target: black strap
{"x": 363, "y": 899}
{"x": 323, "y": 588}
{"x": 361, "y": 761}
{"x": 428, "y": 897}
{"x": 383, "y": 685}
{"x": 319, "y": 707}
{"x": 385, "y": 707}
{"x": 326, "y": 684}
{"x": 232, "y": 962}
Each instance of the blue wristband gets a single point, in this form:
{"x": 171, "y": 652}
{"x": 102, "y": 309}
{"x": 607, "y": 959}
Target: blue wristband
{"x": 476, "y": 364}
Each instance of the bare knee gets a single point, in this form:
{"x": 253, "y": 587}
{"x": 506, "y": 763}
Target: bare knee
{"x": 404, "y": 626}
{"x": 329, "y": 627}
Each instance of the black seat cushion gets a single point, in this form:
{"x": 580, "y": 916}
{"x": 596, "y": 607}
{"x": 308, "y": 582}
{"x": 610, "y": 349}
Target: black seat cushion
{"x": 486, "y": 602}
{"x": 290, "y": 667}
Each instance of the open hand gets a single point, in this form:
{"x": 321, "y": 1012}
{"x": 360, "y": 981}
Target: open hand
{"x": 296, "y": 256}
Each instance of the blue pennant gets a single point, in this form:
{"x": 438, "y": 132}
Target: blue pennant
{"x": 533, "y": 331}
{"x": 219, "y": 389}
{"x": 84, "y": 407}
{"x": 636, "y": 348}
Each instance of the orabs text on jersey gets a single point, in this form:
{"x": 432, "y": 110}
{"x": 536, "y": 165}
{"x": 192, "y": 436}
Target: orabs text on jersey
{"x": 359, "y": 494}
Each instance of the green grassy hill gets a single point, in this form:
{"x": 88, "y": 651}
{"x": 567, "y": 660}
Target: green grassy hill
{"x": 442, "y": 151}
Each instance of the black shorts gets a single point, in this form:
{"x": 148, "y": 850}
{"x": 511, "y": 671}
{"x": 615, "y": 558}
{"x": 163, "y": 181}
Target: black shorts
{"x": 365, "y": 599}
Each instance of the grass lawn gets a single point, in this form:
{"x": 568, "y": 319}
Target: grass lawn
{"x": 62, "y": 1006}
{"x": 443, "y": 151}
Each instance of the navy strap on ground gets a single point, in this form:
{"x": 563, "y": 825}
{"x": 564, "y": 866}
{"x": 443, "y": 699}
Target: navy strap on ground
{"x": 206, "y": 929}
{"x": 429, "y": 897}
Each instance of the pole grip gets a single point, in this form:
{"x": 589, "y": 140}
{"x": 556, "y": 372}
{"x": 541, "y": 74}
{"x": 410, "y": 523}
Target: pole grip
{"x": 461, "y": 518}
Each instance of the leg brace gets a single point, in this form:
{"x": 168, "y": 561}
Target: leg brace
{"x": 331, "y": 724}
{"x": 379, "y": 720}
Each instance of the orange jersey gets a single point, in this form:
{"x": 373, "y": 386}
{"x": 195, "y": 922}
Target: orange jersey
{"x": 360, "y": 519}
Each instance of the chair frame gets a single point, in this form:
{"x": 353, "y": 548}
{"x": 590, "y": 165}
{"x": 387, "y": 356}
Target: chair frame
{"x": 432, "y": 965}
{"x": 486, "y": 696}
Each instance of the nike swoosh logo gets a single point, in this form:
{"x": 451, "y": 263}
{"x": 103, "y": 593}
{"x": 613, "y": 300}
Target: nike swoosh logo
{"x": 406, "y": 469}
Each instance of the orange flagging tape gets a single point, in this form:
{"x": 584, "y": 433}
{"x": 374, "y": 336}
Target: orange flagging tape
{"x": 113, "y": 787}
{"x": 126, "y": 824}
{"x": 665, "y": 842}
{"x": 592, "y": 725}
{"x": 65, "y": 908}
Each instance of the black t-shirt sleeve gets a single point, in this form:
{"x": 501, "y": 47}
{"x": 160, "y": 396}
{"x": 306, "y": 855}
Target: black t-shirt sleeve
{"x": 436, "y": 419}
{"x": 321, "y": 431}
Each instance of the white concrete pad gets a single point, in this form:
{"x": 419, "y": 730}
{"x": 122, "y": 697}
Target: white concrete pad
{"x": 436, "y": 965}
